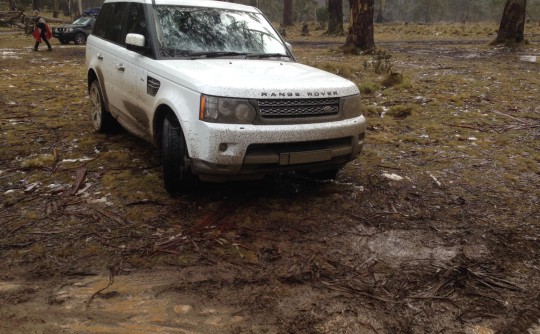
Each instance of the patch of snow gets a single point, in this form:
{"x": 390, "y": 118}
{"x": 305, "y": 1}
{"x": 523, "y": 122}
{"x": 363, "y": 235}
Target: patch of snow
{"x": 393, "y": 177}
{"x": 32, "y": 187}
{"x": 102, "y": 200}
{"x": 434, "y": 179}
{"x": 76, "y": 160}
{"x": 384, "y": 111}
{"x": 55, "y": 185}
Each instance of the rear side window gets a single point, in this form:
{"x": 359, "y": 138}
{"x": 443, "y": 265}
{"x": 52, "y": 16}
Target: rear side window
{"x": 110, "y": 21}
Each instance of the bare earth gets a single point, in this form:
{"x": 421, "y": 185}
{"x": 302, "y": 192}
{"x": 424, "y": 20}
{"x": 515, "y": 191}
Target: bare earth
{"x": 434, "y": 229}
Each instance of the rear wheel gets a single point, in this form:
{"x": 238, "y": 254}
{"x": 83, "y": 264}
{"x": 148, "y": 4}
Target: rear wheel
{"x": 101, "y": 118}
{"x": 177, "y": 173}
{"x": 79, "y": 38}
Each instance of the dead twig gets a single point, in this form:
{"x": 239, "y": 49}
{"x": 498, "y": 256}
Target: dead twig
{"x": 344, "y": 287}
{"x": 111, "y": 282}
{"x": 468, "y": 127}
{"x": 493, "y": 281}
{"x": 111, "y": 216}
{"x": 509, "y": 116}
{"x": 81, "y": 174}
{"x": 144, "y": 202}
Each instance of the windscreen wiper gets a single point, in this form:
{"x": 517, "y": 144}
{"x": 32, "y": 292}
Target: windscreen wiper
{"x": 266, "y": 55}
{"x": 216, "y": 54}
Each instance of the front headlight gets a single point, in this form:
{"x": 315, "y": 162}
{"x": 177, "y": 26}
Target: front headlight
{"x": 226, "y": 110}
{"x": 352, "y": 106}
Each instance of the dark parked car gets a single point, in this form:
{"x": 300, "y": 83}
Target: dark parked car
{"x": 91, "y": 11}
{"x": 77, "y": 32}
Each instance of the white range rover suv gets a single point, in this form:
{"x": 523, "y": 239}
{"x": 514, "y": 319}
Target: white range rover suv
{"x": 216, "y": 88}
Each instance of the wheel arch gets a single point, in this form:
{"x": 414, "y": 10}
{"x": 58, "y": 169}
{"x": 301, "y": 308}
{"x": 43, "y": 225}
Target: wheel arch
{"x": 91, "y": 76}
{"x": 162, "y": 111}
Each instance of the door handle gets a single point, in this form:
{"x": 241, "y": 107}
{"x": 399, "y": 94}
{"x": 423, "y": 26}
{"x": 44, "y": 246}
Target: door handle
{"x": 120, "y": 67}
{"x": 100, "y": 56}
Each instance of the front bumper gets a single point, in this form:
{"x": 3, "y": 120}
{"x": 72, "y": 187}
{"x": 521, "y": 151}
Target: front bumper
{"x": 68, "y": 36}
{"x": 248, "y": 151}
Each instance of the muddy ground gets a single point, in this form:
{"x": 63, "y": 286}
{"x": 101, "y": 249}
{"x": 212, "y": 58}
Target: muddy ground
{"x": 434, "y": 229}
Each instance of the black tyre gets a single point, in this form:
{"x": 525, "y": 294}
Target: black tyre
{"x": 64, "y": 41}
{"x": 79, "y": 38}
{"x": 177, "y": 174}
{"x": 101, "y": 118}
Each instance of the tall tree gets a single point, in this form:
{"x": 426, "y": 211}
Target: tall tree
{"x": 361, "y": 33}
{"x": 380, "y": 14}
{"x": 335, "y": 17}
{"x": 288, "y": 19}
{"x": 513, "y": 22}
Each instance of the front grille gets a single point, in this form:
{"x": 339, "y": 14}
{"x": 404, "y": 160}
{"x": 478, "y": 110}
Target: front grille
{"x": 298, "y": 107}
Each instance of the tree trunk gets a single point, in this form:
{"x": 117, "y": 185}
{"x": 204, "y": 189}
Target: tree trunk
{"x": 380, "y": 14}
{"x": 513, "y": 22}
{"x": 335, "y": 17}
{"x": 361, "y": 34}
{"x": 288, "y": 13}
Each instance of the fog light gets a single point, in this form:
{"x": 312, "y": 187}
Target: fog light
{"x": 223, "y": 147}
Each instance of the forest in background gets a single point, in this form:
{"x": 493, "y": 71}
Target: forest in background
{"x": 425, "y": 11}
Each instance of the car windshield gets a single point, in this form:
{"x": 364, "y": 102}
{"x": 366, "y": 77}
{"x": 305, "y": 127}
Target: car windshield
{"x": 82, "y": 20}
{"x": 211, "y": 32}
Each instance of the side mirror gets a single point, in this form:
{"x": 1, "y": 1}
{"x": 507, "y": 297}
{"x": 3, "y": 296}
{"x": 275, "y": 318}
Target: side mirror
{"x": 135, "y": 42}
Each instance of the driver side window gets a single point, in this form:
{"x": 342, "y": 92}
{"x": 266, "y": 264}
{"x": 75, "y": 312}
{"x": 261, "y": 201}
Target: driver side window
{"x": 136, "y": 21}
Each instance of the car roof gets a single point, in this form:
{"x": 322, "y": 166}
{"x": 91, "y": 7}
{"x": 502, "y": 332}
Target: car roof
{"x": 196, "y": 3}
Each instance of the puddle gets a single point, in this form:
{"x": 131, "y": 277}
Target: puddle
{"x": 397, "y": 247}
{"x": 480, "y": 330}
{"x": 531, "y": 59}
{"x": 7, "y": 54}
{"x": 140, "y": 303}
{"x": 4, "y": 287}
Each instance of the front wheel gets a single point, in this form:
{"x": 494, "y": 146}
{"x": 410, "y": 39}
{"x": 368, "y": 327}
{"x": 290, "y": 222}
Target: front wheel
{"x": 79, "y": 38}
{"x": 101, "y": 118}
{"x": 64, "y": 41}
{"x": 177, "y": 173}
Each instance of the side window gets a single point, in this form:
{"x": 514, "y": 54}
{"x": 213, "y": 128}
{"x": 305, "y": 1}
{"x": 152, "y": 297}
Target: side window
{"x": 109, "y": 22}
{"x": 136, "y": 21}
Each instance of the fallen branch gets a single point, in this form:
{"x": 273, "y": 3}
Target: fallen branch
{"x": 468, "y": 127}
{"x": 81, "y": 174}
{"x": 509, "y": 116}
{"x": 111, "y": 282}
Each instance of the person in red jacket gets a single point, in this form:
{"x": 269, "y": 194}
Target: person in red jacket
{"x": 41, "y": 31}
